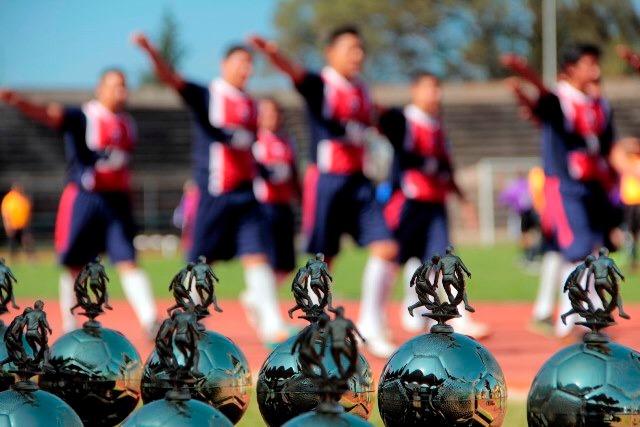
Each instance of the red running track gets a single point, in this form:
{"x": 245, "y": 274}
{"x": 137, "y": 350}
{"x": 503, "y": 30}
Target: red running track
{"x": 519, "y": 351}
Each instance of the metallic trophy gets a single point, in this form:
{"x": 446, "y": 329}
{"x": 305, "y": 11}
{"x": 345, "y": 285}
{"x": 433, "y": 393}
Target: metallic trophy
{"x": 26, "y": 341}
{"x": 226, "y": 380}
{"x": 337, "y": 338}
{"x": 442, "y": 378}
{"x": 595, "y": 382}
{"x": 7, "y": 280}
{"x": 284, "y": 389}
{"x": 96, "y": 370}
{"x": 178, "y": 356}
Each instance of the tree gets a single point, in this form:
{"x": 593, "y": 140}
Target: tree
{"x": 169, "y": 46}
{"x": 453, "y": 38}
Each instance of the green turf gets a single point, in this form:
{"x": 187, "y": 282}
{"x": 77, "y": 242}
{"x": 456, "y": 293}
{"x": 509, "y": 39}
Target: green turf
{"x": 516, "y": 414}
{"x": 497, "y": 275}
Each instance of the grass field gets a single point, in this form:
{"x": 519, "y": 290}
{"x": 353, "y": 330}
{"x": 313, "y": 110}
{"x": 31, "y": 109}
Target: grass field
{"x": 497, "y": 276}
{"x": 516, "y": 415}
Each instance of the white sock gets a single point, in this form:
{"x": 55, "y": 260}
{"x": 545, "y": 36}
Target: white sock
{"x": 137, "y": 289}
{"x": 377, "y": 279}
{"x": 416, "y": 322}
{"x": 564, "y": 304}
{"x": 261, "y": 287}
{"x": 67, "y": 300}
{"x": 550, "y": 280}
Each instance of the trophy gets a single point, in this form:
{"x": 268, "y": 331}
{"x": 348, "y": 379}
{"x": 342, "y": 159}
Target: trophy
{"x": 337, "y": 338}
{"x": 595, "y": 382}
{"x": 24, "y": 404}
{"x": 177, "y": 352}
{"x": 442, "y": 378}
{"x": 284, "y": 389}
{"x": 7, "y": 280}
{"x": 226, "y": 380}
{"x": 96, "y": 370}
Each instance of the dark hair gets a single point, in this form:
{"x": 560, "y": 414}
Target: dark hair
{"x": 573, "y": 53}
{"x": 236, "y": 48}
{"x": 109, "y": 70}
{"x": 423, "y": 74}
{"x": 341, "y": 31}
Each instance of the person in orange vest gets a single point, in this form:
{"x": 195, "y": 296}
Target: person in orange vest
{"x": 625, "y": 158}
{"x": 16, "y": 217}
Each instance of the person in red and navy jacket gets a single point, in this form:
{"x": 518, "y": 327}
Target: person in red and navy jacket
{"x": 577, "y": 137}
{"x": 422, "y": 177}
{"x": 276, "y": 186}
{"x": 228, "y": 223}
{"x": 95, "y": 212}
{"x": 338, "y": 199}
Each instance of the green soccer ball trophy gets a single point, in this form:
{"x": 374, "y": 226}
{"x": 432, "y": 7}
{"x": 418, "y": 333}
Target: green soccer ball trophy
{"x": 180, "y": 333}
{"x": 225, "y": 383}
{"x": 96, "y": 370}
{"x": 7, "y": 280}
{"x": 595, "y": 382}
{"x": 284, "y": 389}
{"x": 24, "y": 404}
{"x": 442, "y": 378}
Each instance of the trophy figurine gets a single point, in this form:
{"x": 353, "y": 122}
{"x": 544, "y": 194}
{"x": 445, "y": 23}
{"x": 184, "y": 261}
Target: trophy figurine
{"x": 225, "y": 382}
{"x": 595, "y": 382}
{"x": 178, "y": 356}
{"x": 337, "y": 337}
{"x": 96, "y": 370}
{"x": 7, "y": 281}
{"x": 284, "y": 389}
{"x": 26, "y": 340}
{"x": 442, "y": 378}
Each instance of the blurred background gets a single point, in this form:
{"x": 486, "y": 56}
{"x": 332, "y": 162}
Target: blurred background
{"x": 54, "y": 51}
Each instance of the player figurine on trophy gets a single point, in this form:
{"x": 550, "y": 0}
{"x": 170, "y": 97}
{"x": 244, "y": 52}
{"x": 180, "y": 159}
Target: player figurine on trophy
{"x": 7, "y": 281}
{"x": 596, "y": 381}
{"x": 96, "y": 370}
{"x": 177, "y": 356}
{"x": 442, "y": 378}
{"x": 225, "y": 378}
{"x": 284, "y": 390}
{"x": 338, "y": 337}
{"x": 24, "y": 403}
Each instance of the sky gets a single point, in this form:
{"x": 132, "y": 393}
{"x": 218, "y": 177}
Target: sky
{"x": 66, "y": 43}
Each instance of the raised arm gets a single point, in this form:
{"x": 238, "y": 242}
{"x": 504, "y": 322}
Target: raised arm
{"x": 464, "y": 267}
{"x": 519, "y": 66}
{"x": 163, "y": 70}
{"x": 271, "y": 51}
{"x": 631, "y": 57}
{"x": 51, "y": 114}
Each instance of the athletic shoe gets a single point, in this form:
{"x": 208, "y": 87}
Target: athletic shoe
{"x": 254, "y": 312}
{"x": 471, "y": 328}
{"x": 414, "y": 324}
{"x": 542, "y": 327}
{"x": 377, "y": 342}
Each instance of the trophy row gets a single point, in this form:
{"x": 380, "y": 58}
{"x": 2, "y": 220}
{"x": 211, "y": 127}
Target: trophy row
{"x": 194, "y": 376}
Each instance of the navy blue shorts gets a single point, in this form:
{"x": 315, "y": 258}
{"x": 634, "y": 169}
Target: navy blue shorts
{"x": 420, "y": 228}
{"x": 227, "y": 226}
{"x": 88, "y": 223}
{"x": 334, "y": 205}
{"x": 581, "y": 222}
{"x": 280, "y": 232}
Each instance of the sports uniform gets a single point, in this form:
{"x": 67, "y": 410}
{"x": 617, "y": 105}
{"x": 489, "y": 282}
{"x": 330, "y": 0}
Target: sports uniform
{"x": 577, "y": 138}
{"x": 95, "y": 212}
{"x": 227, "y": 222}
{"x": 275, "y": 188}
{"x": 337, "y": 197}
{"x": 421, "y": 179}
